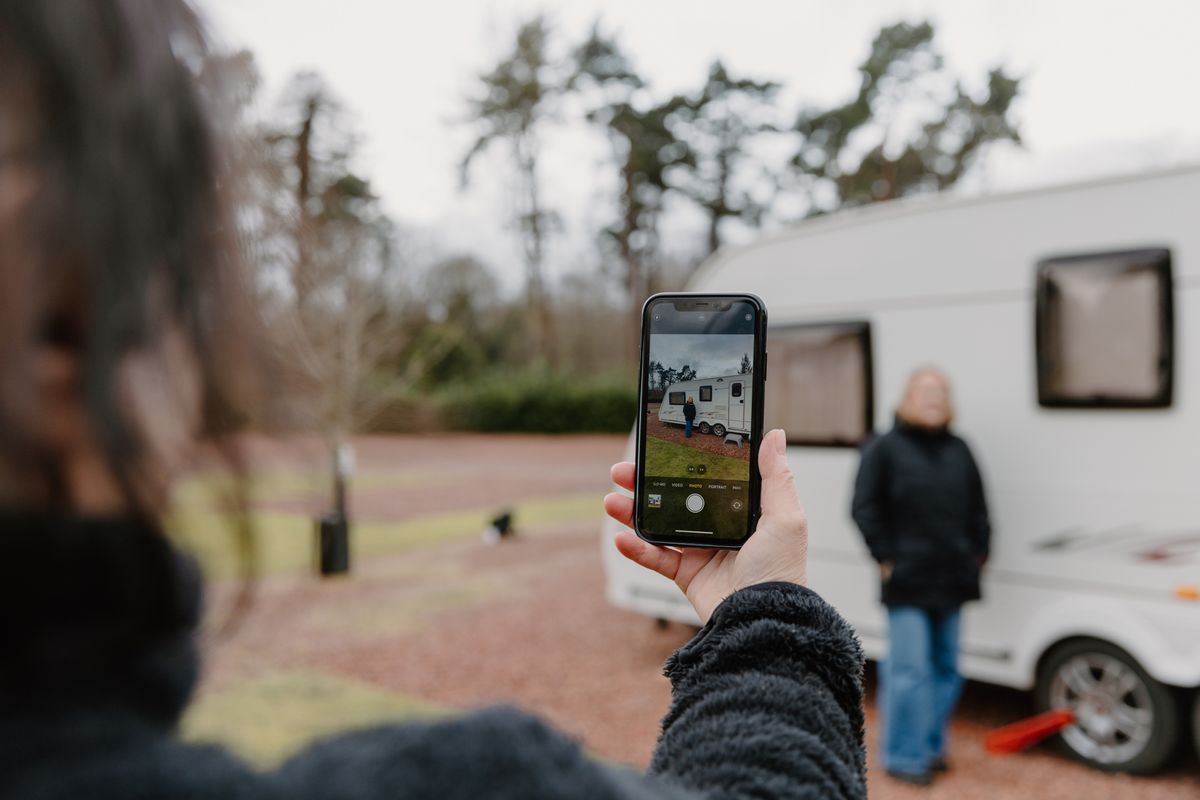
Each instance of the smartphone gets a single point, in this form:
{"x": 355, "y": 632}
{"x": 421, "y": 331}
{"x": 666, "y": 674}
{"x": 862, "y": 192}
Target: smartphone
{"x": 702, "y": 369}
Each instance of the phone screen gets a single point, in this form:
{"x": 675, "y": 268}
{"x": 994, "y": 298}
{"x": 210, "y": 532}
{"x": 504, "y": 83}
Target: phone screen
{"x": 699, "y": 431}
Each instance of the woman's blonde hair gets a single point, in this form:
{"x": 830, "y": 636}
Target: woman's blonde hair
{"x": 905, "y": 410}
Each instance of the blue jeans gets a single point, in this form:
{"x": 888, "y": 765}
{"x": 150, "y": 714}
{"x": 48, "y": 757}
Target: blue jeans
{"x": 687, "y": 428}
{"x": 918, "y": 687}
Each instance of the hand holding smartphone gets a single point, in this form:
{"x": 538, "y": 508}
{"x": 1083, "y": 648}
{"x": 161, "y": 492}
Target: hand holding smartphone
{"x": 702, "y": 346}
{"x": 702, "y": 370}
{"x": 776, "y": 552}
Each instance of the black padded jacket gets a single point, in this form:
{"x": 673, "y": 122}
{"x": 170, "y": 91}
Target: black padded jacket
{"x": 99, "y": 661}
{"x": 919, "y": 503}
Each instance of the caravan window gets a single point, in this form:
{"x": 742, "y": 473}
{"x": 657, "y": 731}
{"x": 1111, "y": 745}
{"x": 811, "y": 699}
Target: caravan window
{"x": 705, "y": 394}
{"x": 1104, "y": 330}
{"x": 675, "y": 398}
{"x": 737, "y": 390}
{"x": 820, "y": 390}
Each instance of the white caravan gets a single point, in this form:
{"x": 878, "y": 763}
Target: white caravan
{"x": 1068, "y": 320}
{"x": 722, "y": 404}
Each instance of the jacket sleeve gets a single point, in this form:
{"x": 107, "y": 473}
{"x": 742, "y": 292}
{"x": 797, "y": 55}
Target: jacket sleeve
{"x": 498, "y": 753}
{"x": 981, "y": 526}
{"x": 767, "y": 701}
{"x": 869, "y": 507}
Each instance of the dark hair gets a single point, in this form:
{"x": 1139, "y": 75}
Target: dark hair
{"x": 129, "y": 236}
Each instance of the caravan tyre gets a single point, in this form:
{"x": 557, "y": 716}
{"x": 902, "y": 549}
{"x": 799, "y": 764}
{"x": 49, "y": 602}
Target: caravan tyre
{"x": 1196, "y": 722}
{"x": 705, "y": 428}
{"x": 1125, "y": 721}
{"x": 719, "y": 429}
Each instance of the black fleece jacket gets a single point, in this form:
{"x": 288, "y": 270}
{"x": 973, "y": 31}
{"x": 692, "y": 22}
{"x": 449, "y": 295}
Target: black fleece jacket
{"x": 99, "y": 661}
{"x": 919, "y": 503}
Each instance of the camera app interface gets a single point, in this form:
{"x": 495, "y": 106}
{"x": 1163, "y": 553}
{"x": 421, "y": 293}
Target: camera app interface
{"x": 699, "y": 400}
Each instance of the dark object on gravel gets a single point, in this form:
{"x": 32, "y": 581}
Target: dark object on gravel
{"x": 500, "y": 528}
{"x": 101, "y": 660}
{"x": 333, "y": 544}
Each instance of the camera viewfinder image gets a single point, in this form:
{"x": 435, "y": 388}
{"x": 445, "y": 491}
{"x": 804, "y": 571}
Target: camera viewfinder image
{"x": 698, "y": 421}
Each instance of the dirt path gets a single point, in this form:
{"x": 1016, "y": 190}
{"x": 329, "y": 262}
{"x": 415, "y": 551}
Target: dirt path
{"x": 699, "y": 441}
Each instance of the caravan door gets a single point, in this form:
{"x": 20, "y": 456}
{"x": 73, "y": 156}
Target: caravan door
{"x": 737, "y": 406}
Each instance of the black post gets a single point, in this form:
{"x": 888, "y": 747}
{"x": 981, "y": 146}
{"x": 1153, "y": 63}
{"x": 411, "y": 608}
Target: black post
{"x": 333, "y": 528}
{"x": 333, "y": 544}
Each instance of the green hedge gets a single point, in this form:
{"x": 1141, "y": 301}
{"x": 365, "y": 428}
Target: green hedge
{"x": 540, "y": 403}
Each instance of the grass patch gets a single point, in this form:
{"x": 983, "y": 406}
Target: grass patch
{"x": 403, "y": 614}
{"x": 284, "y": 541}
{"x": 268, "y": 718}
{"x": 213, "y": 489}
{"x": 670, "y": 460}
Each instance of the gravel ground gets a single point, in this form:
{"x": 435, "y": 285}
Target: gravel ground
{"x": 464, "y": 624}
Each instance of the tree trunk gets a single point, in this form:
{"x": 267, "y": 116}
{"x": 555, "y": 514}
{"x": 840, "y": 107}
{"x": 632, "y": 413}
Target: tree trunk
{"x": 534, "y": 253}
{"x": 635, "y": 275}
{"x": 889, "y": 177}
{"x": 340, "y": 506}
{"x": 303, "y": 164}
{"x": 720, "y": 205}
{"x": 714, "y": 235}
{"x": 341, "y": 461}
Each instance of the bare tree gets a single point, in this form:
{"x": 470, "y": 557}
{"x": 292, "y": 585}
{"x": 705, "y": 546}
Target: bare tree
{"x": 329, "y": 267}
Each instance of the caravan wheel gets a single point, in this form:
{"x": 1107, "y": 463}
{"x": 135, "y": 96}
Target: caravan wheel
{"x": 1125, "y": 721}
{"x": 1196, "y": 722}
{"x": 705, "y": 428}
{"x": 719, "y": 429}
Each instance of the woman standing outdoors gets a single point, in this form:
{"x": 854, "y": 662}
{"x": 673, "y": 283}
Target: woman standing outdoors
{"x": 920, "y": 505}
{"x": 689, "y": 416}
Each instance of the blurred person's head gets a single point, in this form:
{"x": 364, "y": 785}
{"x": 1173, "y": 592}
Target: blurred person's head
{"x": 690, "y": 400}
{"x": 118, "y": 292}
{"x": 926, "y": 400}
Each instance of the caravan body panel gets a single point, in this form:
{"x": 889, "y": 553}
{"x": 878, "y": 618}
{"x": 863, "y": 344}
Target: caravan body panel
{"x": 719, "y": 401}
{"x": 1095, "y": 512}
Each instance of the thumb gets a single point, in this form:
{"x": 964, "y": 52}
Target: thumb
{"x": 778, "y": 484}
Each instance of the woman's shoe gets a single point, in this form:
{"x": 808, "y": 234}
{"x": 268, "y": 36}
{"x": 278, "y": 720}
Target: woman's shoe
{"x": 915, "y": 778}
{"x": 939, "y": 764}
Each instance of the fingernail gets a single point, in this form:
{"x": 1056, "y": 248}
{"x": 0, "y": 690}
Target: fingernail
{"x": 780, "y": 440}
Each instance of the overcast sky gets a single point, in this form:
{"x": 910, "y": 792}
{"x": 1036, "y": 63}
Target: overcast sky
{"x": 712, "y": 355}
{"x": 1109, "y": 87}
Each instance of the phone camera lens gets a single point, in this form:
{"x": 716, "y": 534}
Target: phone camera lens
{"x": 657, "y": 317}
